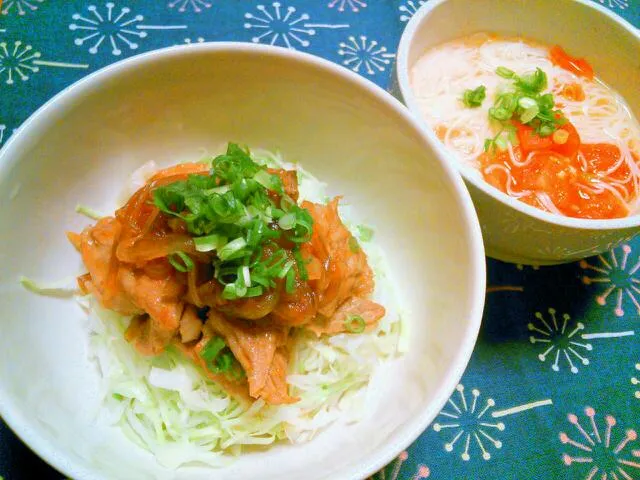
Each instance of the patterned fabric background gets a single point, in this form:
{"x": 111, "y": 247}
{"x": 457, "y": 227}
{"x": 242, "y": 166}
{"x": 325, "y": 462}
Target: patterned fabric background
{"x": 553, "y": 388}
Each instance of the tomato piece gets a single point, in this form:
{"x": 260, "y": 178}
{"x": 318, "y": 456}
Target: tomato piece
{"x": 573, "y": 91}
{"x": 561, "y": 178}
{"x": 530, "y": 140}
{"x": 441, "y": 132}
{"x": 602, "y": 157}
{"x": 578, "y": 66}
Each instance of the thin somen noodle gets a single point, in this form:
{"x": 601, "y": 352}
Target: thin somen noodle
{"x": 599, "y": 165}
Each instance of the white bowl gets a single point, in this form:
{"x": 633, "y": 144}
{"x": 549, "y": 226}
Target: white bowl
{"x": 514, "y": 231}
{"x": 168, "y": 105}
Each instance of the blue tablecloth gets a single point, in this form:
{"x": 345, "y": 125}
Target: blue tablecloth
{"x": 553, "y": 388}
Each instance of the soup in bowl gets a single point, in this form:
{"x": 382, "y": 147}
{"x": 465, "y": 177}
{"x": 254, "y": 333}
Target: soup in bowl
{"x": 537, "y": 114}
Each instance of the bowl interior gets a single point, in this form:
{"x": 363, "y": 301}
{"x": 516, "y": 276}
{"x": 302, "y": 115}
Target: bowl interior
{"x": 514, "y": 231}
{"x": 583, "y": 28}
{"x": 169, "y": 106}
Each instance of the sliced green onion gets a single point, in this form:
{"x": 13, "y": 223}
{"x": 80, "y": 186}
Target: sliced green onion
{"x": 209, "y": 243}
{"x": 184, "y": 265}
{"x": 546, "y": 101}
{"x": 529, "y": 114}
{"x": 223, "y": 363}
{"x": 241, "y": 290}
{"x": 505, "y": 72}
{"x": 246, "y": 276}
{"x": 232, "y": 247}
{"x": 265, "y": 179}
{"x": 212, "y": 349}
{"x": 254, "y": 291}
{"x": 536, "y": 81}
{"x": 501, "y": 142}
{"x": 523, "y": 101}
{"x": 302, "y": 267}
{"x": 287, "y": 203}
{"x": 277, "y": 213}
{"x": 473, "y": 98}
{"x": 285, "y": 269}
{"x": 500, "y": 113}
{"x": 545, "y": 130}
{"x": 219, "y": 190}
{"x": 353, "y": 245}
{"x": 229, "y": 292}
{"x": 290, "y": 281}
{"x": 233, "y": 291}
{"x": 527, "y": 102}
{"x": 288, "y": 221}
{"x": 365, "y": 233}
{"x": 354, "y": 324}
{"x": 231, "y": 212}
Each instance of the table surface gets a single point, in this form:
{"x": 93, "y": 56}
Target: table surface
{"x": 553, "y": 387}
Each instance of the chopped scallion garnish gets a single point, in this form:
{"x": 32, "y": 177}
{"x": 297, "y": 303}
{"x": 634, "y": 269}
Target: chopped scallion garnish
{"x": 523, "y": 101}
{"x": 473, "y": 98}
{"x": 219, "y": 358}
{"x": 234, "y": 213}
{"x": 181, "y": 262}
{"x": 504, "y": 72}
{"x": 365, "y": 233}
{"x": 232, "y": 248}
{"x": 209, "y": 243}
{"x": 212, "y": 349}
{"x": 354, "y": 246}
{"x": 354, "y": 324}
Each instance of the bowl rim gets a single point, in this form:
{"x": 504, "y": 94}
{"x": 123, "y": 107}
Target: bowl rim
{"x": 477, "y": 268}
{"x": 418, "y": 21}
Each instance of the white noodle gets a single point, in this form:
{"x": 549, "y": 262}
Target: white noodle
{"x": 442, "y": 74}
{"x": 547, "y": 203}
{"x": 510, "y": 191}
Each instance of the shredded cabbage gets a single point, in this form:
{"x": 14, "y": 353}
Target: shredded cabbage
{"x": 88, "y": 212}
{"x": 67, "y": 287}
{"x": 167, "y": 406}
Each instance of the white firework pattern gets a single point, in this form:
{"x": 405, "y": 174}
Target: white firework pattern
{"x": 115, "y": 28}
{"x": 2, "y": 130}
{"x": 283, "y": 26}
{"x": 192, "y": 41}
{"x": 196, "y": 5}
{"x": 19, "y": 61}
{"x": 409, "y": 8}
{"x": 393, "y": 470}
{"x": 362, "y": 53}
{"x": 618, "y": 273}
{"x": 19, "y": 6}
{"x": 599, "y": 448}
{"x": 470, "y": 422}
{"x": 636, "y": 381}
{"x": 559, "y": 337}
{"x": 620, "y": 4}
{"x": 354, "y": 5}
